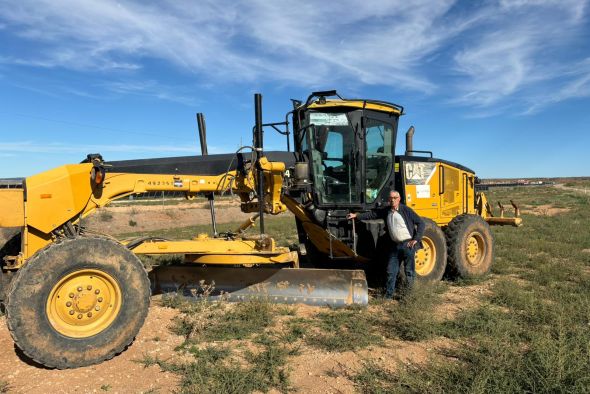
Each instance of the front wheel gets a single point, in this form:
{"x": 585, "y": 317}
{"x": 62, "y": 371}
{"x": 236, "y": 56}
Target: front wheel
{"x": 78, "y": 302}
{"x": 431, "y": 260}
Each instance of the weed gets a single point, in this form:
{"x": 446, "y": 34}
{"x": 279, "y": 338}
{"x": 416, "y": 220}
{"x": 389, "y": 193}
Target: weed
{"x": 4, "y": 387}
{"x": 203, "y": 321}
{"x": 343, "y": 330}
{"x": 105, "y": 387}
{"x": 132, "y": 223}
{"x": 270, "y": 364}
{"x": 148, "y": 360}
{"x": 105, "y": 216}
{"x": 285, "y": 310}
{"x": 413, "y": 319}
{"x": 208, "y": 373}
{"x": 295, "y": 330}
{"x": 374, "y": 379}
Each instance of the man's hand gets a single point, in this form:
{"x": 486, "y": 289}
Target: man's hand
{"x": 412, "y": 243}
{"x": 351, "y": 216}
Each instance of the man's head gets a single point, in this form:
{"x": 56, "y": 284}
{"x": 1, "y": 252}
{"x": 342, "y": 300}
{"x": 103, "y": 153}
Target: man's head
{"x": 394, "y": 199}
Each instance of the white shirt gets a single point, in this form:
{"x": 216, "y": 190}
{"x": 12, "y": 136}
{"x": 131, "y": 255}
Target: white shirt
{"x": 397, "y": 227}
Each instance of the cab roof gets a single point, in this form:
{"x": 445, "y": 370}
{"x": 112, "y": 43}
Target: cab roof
{"x": 367, "y": 104}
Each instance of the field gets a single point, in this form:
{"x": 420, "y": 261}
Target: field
{"x": 523, "y": 328}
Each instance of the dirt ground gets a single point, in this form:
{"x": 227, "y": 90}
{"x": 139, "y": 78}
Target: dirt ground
{"x": 312, "y": 371}
{"x": 122, "y": 374}
{"x": 157, "y": 217}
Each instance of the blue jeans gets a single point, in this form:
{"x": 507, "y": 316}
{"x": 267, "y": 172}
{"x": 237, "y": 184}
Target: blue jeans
{"x": 400, "y": 252}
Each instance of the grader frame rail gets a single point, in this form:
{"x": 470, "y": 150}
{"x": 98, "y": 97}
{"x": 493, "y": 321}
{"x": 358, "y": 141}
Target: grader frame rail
{"x": 74, "y": 297}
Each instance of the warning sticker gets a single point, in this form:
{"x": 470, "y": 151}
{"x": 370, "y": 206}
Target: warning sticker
{"x": 324, "y": 119}
{"x": 423, "y": 191}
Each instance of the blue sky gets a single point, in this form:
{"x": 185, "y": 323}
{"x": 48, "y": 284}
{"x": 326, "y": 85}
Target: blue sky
{"x": 502, "y": 87}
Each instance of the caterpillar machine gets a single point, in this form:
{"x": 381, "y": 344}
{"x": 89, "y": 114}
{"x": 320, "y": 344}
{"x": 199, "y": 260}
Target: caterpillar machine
{"x": 74, "y": 297}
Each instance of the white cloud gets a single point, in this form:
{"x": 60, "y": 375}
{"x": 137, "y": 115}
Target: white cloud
{"x": 520, "y": 47}
{"x": 474, "y": 55}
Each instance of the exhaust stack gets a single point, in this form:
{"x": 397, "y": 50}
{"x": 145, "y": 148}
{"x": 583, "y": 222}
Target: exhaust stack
{"x": 202, "y": 133}
{"x": 409, "y": 141}
{"x": 204, "y": 152}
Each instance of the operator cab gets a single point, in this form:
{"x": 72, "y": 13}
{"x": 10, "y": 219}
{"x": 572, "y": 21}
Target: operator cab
{"x": 349, "y": 146}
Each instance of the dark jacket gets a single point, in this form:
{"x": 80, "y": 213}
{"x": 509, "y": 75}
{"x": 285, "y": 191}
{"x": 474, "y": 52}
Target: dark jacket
{"x": 413, "y": 222}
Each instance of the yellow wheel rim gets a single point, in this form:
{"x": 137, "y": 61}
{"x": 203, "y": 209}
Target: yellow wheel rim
{"x": 84, "y": 303}
{"x": 475, "y": 249}
{"x": 426, "y": 257}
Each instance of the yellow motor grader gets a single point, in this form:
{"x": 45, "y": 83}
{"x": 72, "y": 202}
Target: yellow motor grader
{"x": 74, "y": 297}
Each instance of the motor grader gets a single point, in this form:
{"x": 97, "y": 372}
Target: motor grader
{"x": 74, "y": 297}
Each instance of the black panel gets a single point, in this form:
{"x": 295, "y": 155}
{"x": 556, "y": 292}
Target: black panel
{"x": 191, "y": 165}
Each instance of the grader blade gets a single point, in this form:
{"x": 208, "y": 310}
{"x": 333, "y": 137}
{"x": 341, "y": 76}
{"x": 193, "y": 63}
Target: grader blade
{"x": 321, "y": 287}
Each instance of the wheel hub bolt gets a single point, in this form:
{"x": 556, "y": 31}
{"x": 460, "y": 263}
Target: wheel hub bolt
{"x": 69, "y": 303}
{"x": 80, "y": 316}
{"x": 71, "y": 295}
{"x": 80, "y": 289}
{"x": 97, "y": 308}
{"x": 89, "y": 314}
{"x": 97, "y": 291}
{"x": 89, "y": 287}
{"x": 99, "y": 299}
{"x": 71, "y": 312}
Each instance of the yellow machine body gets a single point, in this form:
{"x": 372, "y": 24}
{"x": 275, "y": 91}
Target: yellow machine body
{"x": 83, "y": 299}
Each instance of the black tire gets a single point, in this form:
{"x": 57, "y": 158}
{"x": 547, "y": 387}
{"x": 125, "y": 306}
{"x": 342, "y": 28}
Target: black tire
{"x": 431, "y": 260}
{"x": 470, "y": 246}
{"x": 53, "y": 269}
{"x": 10, "y": 248}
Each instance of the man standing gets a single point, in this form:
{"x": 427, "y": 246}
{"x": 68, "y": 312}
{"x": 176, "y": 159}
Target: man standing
{"x": 405, "y": 229}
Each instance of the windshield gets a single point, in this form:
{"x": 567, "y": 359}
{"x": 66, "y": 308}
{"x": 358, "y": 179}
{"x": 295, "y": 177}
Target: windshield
{"x": 331, "y": 146}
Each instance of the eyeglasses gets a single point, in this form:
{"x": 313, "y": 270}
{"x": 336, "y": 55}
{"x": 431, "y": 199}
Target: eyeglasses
{"x": 393, "y": 198}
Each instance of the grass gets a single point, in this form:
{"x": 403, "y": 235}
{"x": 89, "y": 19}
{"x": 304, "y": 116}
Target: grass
{"x": 532, "y": 333}
{"x": 204, "y": 321}
{"x": 414, "y": 318}
{"x": 344, "y": 330}
{"x": 229, "y": 369}
{"x": 529, "y": 333}
{"x": 4, "y": 386}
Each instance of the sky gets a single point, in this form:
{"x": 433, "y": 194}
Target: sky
{"x": 502, "y": 87}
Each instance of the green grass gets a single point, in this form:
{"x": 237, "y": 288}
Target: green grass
{"x": 226, "y": 369}
{"x": 532, "y": 333}
{"x": 413, "y": 319}
{"x": 204, "y": 321}
{"x": 529, "y": 333}
{"x": 344, "y": 330}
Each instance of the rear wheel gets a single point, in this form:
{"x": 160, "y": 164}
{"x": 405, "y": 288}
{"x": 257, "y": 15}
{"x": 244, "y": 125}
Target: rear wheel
{"x": 471, "y": 246}
{"x": 78, "y": 302}
{"x": 431, "y": 260}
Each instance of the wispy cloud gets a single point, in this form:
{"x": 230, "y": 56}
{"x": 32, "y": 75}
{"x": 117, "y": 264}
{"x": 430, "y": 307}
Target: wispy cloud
{"x": 474, "y": 56}
{"x": 521, "y": 47}
{"x": 153, "y": 88}
{"x": 11, "y": 148}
